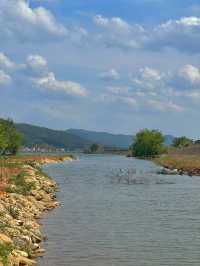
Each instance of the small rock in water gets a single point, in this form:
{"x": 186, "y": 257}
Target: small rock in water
{"x": 166, "y": 171}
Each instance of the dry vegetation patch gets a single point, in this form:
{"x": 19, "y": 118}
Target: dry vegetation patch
{"x": 186, "y": 163}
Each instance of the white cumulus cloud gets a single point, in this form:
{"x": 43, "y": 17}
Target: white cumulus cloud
{"x": 190, "y": 73}
{"x": 115, "y": 23}
{"x": 50, "y": 82}
{"x": 19, "y": 20}
{"x": 37, "y": 64}
{"x": 182, "y": 34}
{"x": 148, "y": 79}
{"x": 116, "y": 32}
{"x": 5, "y": 62}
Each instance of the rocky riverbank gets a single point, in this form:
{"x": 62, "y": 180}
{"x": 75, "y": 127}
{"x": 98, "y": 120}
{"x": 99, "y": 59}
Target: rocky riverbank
{"x": 23, "y": 199}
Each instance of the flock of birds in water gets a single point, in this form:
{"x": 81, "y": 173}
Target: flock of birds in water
{"x": 135, "y": 177}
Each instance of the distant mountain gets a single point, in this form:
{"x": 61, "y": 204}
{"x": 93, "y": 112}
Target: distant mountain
{"x": 103, "y": 138}
{"x": 35, "y": 135}
{"x": 75, "y": 138}
{"x": 110, "y": 140}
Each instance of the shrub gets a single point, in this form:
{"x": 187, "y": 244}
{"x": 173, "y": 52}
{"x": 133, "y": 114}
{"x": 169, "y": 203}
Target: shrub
{"x": 95, "y": 148}
{"x": 182, "y": 142}
{"x": 148, "y": 143}
{"x": 10, "y": 138}
{"x": 20, "y": 184}
{"x": 14, "y": 211}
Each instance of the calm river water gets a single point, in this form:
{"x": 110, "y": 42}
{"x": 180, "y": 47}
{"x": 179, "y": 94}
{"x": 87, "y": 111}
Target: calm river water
{"x": 102, "y": 222}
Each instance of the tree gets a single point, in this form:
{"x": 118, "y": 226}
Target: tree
{"x": 3, "y": 139}
{"x": 10, "y": 138}
{"x": 96, "y": 148}
{"x": 148, "y": 143}
{"x": 182, "y": 142}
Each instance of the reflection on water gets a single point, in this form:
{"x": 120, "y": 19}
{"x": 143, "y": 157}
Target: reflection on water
{"x": 153, "y": 221}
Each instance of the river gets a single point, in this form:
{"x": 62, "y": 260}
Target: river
{"x": 103, "y": 222}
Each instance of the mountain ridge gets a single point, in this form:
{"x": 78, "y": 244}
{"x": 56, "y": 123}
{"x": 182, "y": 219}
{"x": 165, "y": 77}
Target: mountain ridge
{"x": 72, "y": 139}
{"x": 37, "y": 135}
{"x": 104, "y": 138}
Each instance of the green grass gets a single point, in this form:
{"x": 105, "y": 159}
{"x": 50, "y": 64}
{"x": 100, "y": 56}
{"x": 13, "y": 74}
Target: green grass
{"x": 21, "y": 186}
{"x": 12, "y": 174}
{"x": 5, "y": 250}
{"x": 3, "y": 226}
{"x": 14, "y": 211}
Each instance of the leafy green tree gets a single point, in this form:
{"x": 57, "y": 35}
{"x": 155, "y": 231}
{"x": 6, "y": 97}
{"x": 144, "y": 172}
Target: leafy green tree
{"x": 3, "y": 139}
{"x": 96, "y": 148}
{"x": 182, "y": 142}
{"x": 148, "y": 143}
{"x": 10, "y": 138}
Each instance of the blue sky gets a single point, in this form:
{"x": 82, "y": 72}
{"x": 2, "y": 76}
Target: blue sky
{"x": 107, "y": 65}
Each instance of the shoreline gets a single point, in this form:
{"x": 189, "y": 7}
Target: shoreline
{"x": 179, "y": 164}
{"x": 21, "y": 207}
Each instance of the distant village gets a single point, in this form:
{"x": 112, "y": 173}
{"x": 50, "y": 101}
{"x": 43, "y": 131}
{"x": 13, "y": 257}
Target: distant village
{"x": 39, "y": 149}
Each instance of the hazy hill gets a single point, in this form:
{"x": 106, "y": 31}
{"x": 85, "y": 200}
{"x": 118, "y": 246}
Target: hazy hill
{"x": 56, "y": 138}
{"x": 74, "y": 138}
{"x": 106, "y": 139}
{"x": 110, "y": 140}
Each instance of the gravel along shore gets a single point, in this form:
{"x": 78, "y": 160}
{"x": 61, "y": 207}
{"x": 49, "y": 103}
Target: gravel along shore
{"x": 25, "y": 193}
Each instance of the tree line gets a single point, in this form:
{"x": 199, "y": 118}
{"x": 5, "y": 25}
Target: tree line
{"x": 146, "y": 143}
{"x": 151, "y": 143}
{"x": 10, "y": 138}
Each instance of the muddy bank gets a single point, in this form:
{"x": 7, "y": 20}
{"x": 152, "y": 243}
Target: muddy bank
{"x": 23, "y": 199}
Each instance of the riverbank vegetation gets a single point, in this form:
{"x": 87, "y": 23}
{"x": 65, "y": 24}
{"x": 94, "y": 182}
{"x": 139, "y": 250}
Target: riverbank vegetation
{"x": 182, "y": 142}
{"x": 95, "y": 149}
{"x": 184, "y": 159}
{"x": 185, "y": 164}
{"x": 183, "y": 155}
{"x": 10, "y": 138}
{"x": 148, "y": 143}
{"x": 25, "y": 193}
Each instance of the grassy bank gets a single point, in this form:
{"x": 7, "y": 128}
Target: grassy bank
{"x": 25, "y": 193}
{"x": 184, "y": 163}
